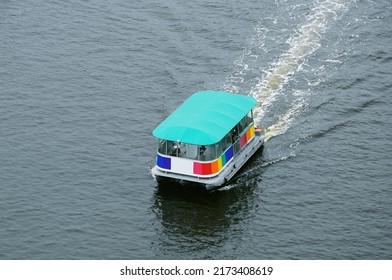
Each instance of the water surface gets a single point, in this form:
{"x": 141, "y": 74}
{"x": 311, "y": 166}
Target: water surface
{"x": 83, "y": 84}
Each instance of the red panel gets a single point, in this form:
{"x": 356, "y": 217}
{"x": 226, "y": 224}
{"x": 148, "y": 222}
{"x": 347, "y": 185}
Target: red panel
{"x": 207, "y": 169}
{"x": 243, "y": 140}
{"x": 198, "y": 168}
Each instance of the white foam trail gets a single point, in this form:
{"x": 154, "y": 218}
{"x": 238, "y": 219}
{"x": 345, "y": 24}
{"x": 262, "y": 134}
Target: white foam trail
{"x": 304, "y": 43}
{"x": 285, "y": 119}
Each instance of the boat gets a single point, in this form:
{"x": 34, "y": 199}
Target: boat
{"x": 207, "y": 139}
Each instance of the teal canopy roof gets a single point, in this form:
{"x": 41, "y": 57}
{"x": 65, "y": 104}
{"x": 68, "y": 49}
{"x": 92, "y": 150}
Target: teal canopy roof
{"x": 205, "y": 117}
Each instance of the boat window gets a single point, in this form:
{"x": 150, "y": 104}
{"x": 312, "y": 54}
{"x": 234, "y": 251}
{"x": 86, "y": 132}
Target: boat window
{"x": 240, "y": 127}
{"x": 201, "y": 152}
{"x": 162, "y": 147}
{"x": 250, "y": 115}
{"x": 207, "y": 153}
{"x": 236, "y": 146}
{"x": 189, "y": 151}
{"x": 244, "y": 123}
{"x": 234, "y": 134}
{"x": 173, "y": 148}
{"x": 228, "y": 142}
{"x": 247, "y": 119}
{"x": 219, "y": 148}
{"x": 223, "y": 145}
{"x": 178, "y": 149}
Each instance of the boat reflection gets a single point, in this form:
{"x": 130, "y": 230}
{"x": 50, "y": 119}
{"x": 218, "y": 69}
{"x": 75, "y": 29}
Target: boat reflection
{"x": 194, "y": 222}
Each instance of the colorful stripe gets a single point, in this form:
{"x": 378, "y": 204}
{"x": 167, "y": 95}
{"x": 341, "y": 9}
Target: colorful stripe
{"x": 208, "y": 168}
{"x": 247, "y": 136}
{"x": 184, "y": 166}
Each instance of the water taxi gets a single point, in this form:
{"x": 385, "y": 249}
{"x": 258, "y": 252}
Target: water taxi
{"x": 207, "y": 139}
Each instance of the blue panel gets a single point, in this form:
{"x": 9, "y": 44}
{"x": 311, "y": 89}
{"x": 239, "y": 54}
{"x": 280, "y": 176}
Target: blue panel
{"x": 163, "y": 162}
{"x": 229, "y": 153}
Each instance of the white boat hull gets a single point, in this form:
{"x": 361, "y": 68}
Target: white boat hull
{"x": 224, "y": 176}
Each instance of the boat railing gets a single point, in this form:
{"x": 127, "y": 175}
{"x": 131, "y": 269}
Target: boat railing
{"x": 198, "y": 155}
{"x": 197, "y": 159}
{"x": 204, "y": 168}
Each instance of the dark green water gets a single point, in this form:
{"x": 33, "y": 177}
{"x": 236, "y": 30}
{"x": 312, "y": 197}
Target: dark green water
{"x": 83, "y": 84}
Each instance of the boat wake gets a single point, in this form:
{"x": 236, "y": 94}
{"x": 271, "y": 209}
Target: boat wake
{"x": 270, "y": 86}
